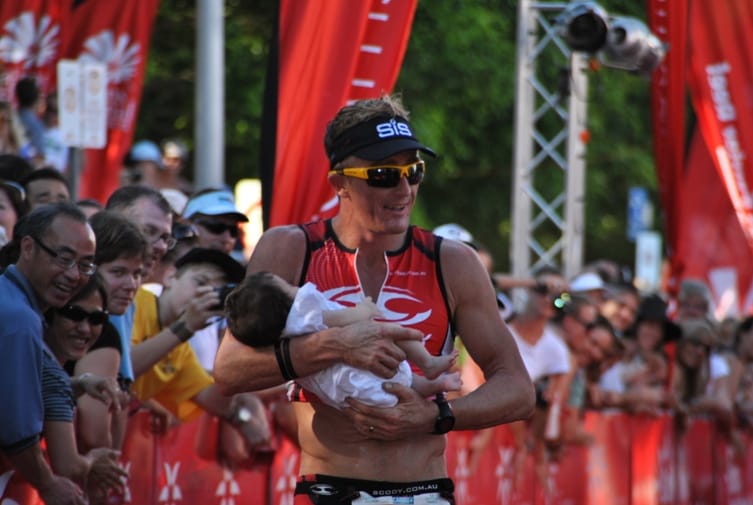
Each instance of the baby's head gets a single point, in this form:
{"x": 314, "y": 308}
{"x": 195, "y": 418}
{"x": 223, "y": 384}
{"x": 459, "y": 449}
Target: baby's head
{"x": 258, "y": 308}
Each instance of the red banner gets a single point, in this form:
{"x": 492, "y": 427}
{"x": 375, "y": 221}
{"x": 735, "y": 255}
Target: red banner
{"x": 668, "y": 21}
{"x": 117, "y": 33}
{"x": 30, "y": 39}
{"x": 721, "y": 70}
{"x": 330, "y": 53}
{"x": 711, "y": 244}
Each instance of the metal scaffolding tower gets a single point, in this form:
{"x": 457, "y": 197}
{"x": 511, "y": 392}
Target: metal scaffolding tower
{"x": 550, "y": 136}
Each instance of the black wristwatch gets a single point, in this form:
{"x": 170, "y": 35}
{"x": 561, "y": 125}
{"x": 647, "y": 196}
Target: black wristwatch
{"x": 446, "y": 419}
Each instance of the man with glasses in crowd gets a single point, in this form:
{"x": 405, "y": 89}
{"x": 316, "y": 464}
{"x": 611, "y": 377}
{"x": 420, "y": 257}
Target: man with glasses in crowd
{"x": 56, "y": 260}
{"x": 436, "y": 288}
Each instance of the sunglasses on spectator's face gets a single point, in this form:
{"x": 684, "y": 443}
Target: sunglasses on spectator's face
{"x": 77, "y": 314}
{"x": 184, "y": 231}
{"x": 218, "y": 227}
{"x": 386, "y": 176}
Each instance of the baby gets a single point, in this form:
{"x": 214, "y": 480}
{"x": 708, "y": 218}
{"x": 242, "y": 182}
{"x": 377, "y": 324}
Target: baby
{"x": 264, "y": 308}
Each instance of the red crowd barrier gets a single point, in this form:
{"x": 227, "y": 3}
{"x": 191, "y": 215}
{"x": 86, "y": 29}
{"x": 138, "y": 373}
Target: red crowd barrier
{"x": 634, "y": 460}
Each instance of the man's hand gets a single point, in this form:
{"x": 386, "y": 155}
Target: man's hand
{"x": 61, "y": 491}
{"x": 104, "y": 472}
{"x": 412, "y": 415}
{"x": 105, "y": 389}
{"x": 369, "y": 345}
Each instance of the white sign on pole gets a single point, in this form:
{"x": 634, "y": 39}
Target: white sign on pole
{"x": 94, "y": 118}
{"x": 69, "y": 101}
{"x": 648, "y": 259}
{"x": 82, "y": 99}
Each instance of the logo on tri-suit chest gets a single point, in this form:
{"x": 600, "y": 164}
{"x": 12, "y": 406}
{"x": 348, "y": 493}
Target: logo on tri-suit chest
{"x": 397, "y": 305}
{"x": 409, "y": 273}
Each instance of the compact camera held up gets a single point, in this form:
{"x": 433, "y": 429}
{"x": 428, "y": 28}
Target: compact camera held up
{"x": 222, "y": 292}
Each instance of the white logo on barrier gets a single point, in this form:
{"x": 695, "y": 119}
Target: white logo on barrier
{"x": 462, "y": 474}
{"x": 228, "y": 488}
{"x": 505, "y": 478}
{"x": 27, "y": 42}
{"x": 393, "y": 129}
{"x": 171, "y": 492}
{"x": 285, "y": 484}
{"x": 597, "y": 466}
{"x": 124, "y": 480}
{"x": 733, "y": 475}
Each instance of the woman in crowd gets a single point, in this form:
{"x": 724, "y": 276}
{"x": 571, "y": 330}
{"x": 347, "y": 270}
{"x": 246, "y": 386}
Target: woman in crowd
{"x": 699, "y": 382}
{"x": 72, "y": 330}
{"x": 120, "y": 254}
{"x": 744, "y": 347}
{"x": 12, "y": 207}
{"x": 9, "y": 132}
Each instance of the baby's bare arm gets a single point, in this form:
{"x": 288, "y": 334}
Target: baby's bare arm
{"x": 416, "y": 353}
{"x": 365, "y": 310}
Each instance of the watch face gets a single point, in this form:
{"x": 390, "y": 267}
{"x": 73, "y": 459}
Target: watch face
{"x": 244, "y": 415}
{"x": 444, "y": 424}
{"x": 446, "y": 419}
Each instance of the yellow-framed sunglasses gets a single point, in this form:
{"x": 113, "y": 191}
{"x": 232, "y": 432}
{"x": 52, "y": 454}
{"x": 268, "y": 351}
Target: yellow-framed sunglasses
{"x": 385, "y": 176}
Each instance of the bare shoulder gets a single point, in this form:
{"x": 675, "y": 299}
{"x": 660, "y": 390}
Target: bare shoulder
{"x": 280, "y": 250}
{"x": 463, "y": 273}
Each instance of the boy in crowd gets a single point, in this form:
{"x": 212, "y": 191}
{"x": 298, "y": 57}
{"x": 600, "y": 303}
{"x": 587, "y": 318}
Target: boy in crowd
{"x": 165, "y": 365}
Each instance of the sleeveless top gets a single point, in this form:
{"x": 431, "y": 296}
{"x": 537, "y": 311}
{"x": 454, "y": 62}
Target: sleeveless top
{"x": 413, "y": 292}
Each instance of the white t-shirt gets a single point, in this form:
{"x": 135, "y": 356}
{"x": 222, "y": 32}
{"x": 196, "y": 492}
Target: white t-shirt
{"x": 206, "y": 341}
{"x": 548, "y": 356}
{"x": 612, "y": 378}
{"x": 718, "y": 366}
{"x": 55, "y": 150}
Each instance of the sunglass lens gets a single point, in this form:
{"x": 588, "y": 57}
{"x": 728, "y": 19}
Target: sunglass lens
{"x": 415, "y": 174}
{"x": 383, "y": 177}
{"x": 78, "y": 314}
{"x": 220, "y": 228}
{"x": 74, "y": 313}
{"x": 389, "y": 177}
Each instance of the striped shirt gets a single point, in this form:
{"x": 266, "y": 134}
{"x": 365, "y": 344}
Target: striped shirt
{"x": 57, "y": 393}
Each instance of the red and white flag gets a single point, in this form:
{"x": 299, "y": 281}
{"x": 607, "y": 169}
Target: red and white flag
{"x": 30, "y": 39}
{"x": 668, "y": 21}
{"x": 330, "y": 53}
{"x": 721, "y": 72}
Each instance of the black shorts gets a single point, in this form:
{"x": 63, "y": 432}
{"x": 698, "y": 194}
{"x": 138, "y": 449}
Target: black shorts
{"x": 328, "y": 490}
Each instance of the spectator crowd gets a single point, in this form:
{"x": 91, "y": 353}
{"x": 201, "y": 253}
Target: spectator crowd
{"x": 118, "y": 306}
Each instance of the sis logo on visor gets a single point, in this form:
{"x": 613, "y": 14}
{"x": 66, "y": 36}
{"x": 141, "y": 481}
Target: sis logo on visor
{"x": 375, "y": 139}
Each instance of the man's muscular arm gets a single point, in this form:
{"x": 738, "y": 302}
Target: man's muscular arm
{"x": 366, "y": 344}
{"x": 506, "y": 396}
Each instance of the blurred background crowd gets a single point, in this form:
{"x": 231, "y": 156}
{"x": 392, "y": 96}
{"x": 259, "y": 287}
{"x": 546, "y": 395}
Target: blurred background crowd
{"x": 164, "y": 253}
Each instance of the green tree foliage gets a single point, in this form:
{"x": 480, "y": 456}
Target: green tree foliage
{"x": 458, "y": 79}
{"x": 167, "y": 107}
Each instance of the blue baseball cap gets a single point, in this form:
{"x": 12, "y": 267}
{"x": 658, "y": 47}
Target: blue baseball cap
{"x": 214, "y": 203}
{"x": 146, "y": 150}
